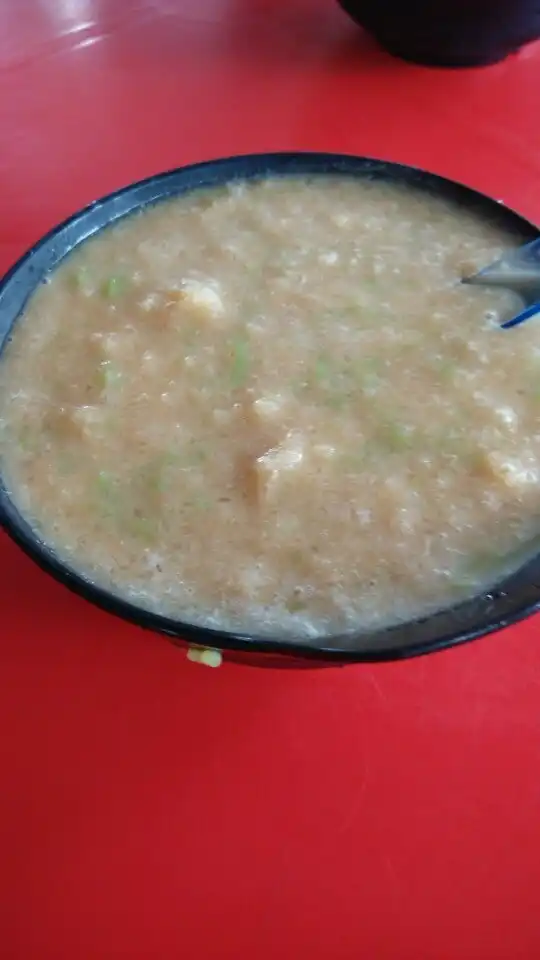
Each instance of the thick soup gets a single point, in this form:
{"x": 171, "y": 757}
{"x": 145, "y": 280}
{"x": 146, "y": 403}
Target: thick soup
{"x": 273, "y": 407}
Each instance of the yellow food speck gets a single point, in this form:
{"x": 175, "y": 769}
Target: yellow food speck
{"x": 205, "y": 655}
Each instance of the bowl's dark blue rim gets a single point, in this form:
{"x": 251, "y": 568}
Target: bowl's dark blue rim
{"x": 513, "y": 601}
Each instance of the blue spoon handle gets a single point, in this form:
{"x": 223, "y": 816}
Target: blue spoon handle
{"x": 525, "y": 314}
{"x": 530, "y": 252}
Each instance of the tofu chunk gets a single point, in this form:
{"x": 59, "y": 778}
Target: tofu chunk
{"x": 287, "y": 456}
{"x": 152, "y": 301}
{"x": 89, "y": 419}
{"x": 279, "y": 461}
{"x": 324, "y": 451}
{"x": 507, "y": 416}
{"x": 112, "y": 345}
{"x": 259, "y": 477}
{"x": 329, "y": 257}
{"x": 268, "y": 409}
{"x": 203, "y": 297}
{"x": 514, "y": 473}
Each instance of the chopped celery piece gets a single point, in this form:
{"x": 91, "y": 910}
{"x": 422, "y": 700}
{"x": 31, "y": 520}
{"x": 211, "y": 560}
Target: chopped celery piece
{"x": 446, "y": 369}
{"x": 336, "y": 400}
{"x": 322, "y": 369}
{"x": 369, "y": 365}
{"x": 240, "y": 362}
{"x": 112, "y": 376}
{"x": 331, "y": 378}
{"x": 396, "y": 438}
{"x": 154, "y": 477}
{"x": 199, "y": 501}
{"x": 154, "y": 474}
{"x": 170, "y": 458}
{"x": 28, "y": 441}
{"x": 114, "y": 287}
{"x": 142, "y": 528}
{"x": 108, "y": 493}
{"x": 368, "y": 372}
{"x": 341, "y": 383}
{"x": 188, "y": 458}
{"x": 115, "y": 508}
{"x": 105, "y": 481}
{"x": 109, "y": 374}
{"x": 479, "y": 567}
{"x": 355, "y": 461}
{"x": 195, "y": 455}
{"x": 82, "y": 280}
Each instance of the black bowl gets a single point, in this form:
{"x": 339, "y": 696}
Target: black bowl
{"x": 448, "y": 33}
{"x": 515, "y": 598}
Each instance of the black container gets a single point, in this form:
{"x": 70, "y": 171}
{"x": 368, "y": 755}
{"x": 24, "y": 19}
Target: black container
{"x": 514, "y": 599}
{"x": 449, "y": 33}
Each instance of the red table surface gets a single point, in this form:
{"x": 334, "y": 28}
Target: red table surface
{"x": 152, "y": 808}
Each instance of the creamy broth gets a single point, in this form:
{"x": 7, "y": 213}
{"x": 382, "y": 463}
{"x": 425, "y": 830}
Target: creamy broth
{"x": 273, "y": 407}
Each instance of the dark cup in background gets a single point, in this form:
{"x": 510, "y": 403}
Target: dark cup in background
{"x": 448, "y": 33}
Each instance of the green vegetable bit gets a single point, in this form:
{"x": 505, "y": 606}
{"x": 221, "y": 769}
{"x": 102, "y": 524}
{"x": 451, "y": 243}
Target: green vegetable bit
{"x": 141, "y": 528}
{"x": 110, "y": 375}
{"x": 28, "y": 440}
{"x": 337, "y": 400}
{"x": 240, "y": 362}
{"x": 396, "y": 438}
{"x": 191, "y": 456}
{"x": 199, "y": 501}
{"x": 154, "y": 476}
{"x": 82, "y": 280}
{"x": 196, "y": 456}
{"x": 109, "y": 494}
{"x": 114, "y": 287}
{"x": 355, "y": 462}
{"x": 368, "y": 372}
{"x": 478, "y": 567}
{"x": 322, "y": 370}
{"x": 342, "y": 383}
{"x": 329, "y": 377}
{"x": 106, "y": 483}
{"x": 114, "y": 507}
{"x": 446, "y": 369}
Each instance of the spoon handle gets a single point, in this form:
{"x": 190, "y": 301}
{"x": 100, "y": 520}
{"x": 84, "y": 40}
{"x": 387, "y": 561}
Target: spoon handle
{"x": 525, "y": 314}
{"x": 530, "y": 252}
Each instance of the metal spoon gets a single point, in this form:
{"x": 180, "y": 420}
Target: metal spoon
{"x": 518, "y": 270}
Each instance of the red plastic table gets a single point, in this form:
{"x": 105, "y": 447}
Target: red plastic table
{"x": 153, "y": 808}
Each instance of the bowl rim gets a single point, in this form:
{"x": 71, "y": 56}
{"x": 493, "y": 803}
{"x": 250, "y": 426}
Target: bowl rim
{"x": 467, "y": 621}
